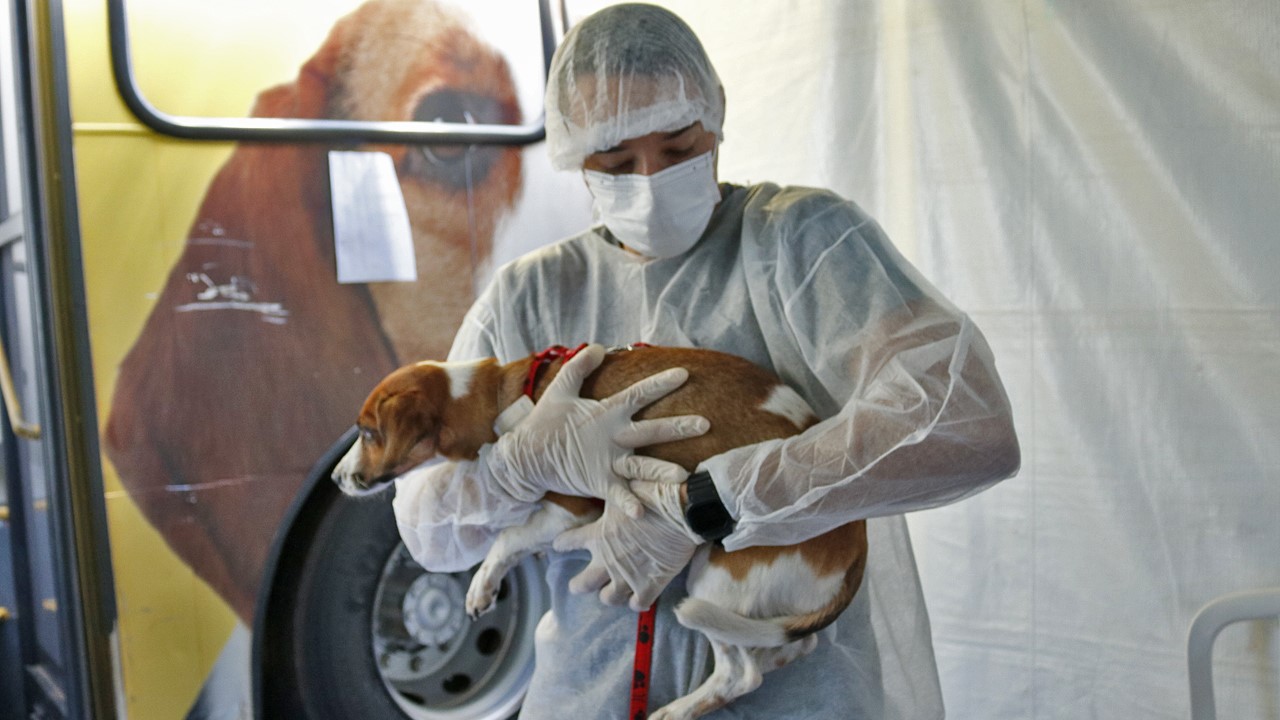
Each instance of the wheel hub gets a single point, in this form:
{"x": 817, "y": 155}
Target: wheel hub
{"x": 436, "y": 663}
{"x": 434, "y": 609}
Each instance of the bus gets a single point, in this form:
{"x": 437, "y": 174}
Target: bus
{"x": 220, "y": 225}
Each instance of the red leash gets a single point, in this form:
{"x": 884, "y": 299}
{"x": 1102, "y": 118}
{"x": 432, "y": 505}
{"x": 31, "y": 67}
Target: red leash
{"x": 644, "y": 661}
{"x": 648, "y": 618}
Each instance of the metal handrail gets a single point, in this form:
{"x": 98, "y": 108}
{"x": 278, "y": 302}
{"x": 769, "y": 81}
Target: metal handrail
{"x": 1259, "y": 604}
{"x": 21, "y": 428}
{"x": 313, "y": 130}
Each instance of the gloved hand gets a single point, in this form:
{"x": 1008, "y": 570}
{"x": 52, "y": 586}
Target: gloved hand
{"x": 633, "y": 559}
{"x": 578, "y": 446}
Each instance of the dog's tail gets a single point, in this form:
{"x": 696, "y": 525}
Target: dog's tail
{"x": 731, "y": 628}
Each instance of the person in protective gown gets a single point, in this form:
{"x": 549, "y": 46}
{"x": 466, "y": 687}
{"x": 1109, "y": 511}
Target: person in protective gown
{"x": 794, "y": 279}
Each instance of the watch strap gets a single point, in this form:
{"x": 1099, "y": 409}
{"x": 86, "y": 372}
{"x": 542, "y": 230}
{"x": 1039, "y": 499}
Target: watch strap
{"x": 706, "y": 513}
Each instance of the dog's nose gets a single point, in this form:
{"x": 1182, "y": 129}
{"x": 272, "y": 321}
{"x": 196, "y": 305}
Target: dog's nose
{"x": 356, "y": 479}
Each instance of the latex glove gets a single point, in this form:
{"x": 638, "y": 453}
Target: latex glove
{"x": 633, "y": 559}
{"x": 579, "y": 446}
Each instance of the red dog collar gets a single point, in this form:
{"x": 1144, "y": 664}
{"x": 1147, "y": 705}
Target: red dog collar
{"x": 560, "y": 352}
{"x": 555, "y": 352}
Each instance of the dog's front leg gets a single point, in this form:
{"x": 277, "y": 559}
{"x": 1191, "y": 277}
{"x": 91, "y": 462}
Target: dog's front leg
{"x": 512, "y": 545}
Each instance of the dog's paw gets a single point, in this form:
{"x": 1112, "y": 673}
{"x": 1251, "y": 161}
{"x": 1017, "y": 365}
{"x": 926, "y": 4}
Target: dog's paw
{"x": 667, "y": 713}
{"x": 481, "y": 595}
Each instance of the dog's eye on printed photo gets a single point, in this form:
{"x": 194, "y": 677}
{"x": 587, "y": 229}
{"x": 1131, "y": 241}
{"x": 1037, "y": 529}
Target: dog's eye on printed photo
{"x": 448, "y": 163}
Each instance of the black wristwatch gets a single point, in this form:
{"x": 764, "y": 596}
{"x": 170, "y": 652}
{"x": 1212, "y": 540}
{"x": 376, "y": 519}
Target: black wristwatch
{"x": 705, "y": 513}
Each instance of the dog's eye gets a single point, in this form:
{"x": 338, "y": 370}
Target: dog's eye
{"x": 448, "y": 164}
{"x": 368, "y": 436}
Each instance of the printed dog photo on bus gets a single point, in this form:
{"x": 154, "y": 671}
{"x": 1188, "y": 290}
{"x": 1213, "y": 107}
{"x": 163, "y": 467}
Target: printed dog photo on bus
{"x": 254, "y": 350}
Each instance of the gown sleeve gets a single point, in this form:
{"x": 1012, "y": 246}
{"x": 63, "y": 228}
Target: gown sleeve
{"x": 915, "y": 412}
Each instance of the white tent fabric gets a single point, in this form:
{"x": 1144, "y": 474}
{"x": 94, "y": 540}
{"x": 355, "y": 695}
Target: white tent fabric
{"x": 1098, "y": 185}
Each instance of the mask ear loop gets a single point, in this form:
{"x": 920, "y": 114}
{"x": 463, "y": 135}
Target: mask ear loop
{"x": 597, "y": 218}
{"x": 595, "y": 208}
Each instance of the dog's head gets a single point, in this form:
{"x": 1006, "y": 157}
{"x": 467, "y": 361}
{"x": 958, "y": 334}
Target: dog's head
{"x": 428, "y": 411}
{"x": 400, "y": 427}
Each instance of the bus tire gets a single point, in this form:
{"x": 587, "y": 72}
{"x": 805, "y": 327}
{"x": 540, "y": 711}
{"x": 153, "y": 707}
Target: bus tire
{"x": 363, "y": 631}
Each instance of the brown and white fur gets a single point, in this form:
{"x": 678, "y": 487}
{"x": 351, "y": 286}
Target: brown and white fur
{"x": 759, "y": 607}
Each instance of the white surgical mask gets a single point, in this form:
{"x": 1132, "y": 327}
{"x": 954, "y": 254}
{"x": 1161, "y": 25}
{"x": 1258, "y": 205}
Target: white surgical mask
{"x": 660, "y": 215}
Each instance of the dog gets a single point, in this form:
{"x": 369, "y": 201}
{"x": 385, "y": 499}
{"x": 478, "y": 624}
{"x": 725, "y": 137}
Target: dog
{"x": 759, "y": 607}
{"x": 215, "y": 418}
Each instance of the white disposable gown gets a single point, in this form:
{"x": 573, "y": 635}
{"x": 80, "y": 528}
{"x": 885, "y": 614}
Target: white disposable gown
{"x": 804, "y": 283}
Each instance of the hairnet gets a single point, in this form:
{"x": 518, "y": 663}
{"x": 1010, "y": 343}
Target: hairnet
{"x": 624, "y": 72}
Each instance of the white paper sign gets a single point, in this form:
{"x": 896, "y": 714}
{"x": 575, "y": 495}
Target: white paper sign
{"x": 371, "y": 233}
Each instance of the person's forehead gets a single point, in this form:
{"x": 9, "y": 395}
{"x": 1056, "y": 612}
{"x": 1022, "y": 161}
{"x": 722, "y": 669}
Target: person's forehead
{"x": 596, "y": 98}
{"x": 655, "y": 138}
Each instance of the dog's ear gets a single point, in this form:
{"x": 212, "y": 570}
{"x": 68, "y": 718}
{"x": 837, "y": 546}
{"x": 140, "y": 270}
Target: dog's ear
{"x": 465, "y": 444}
{"x": 409, "y": 426}
{"x": 446, "y": 441}
{"x": 310, "y": 95}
